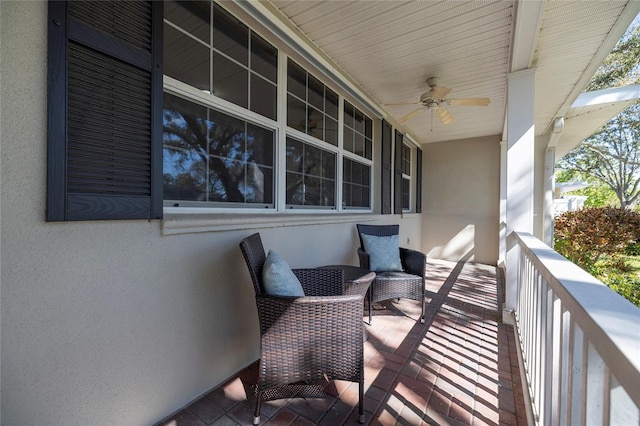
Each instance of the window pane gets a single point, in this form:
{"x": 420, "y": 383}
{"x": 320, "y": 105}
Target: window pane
{"x": 359, "y": 122}
{"x": 328, "y": 165}
{"x": 406, "y": 184}
{"x": 348, "y": 115}
{"x": 263, "y": 97}
{"x": 296, "y": 114}
{"x": 368, "y": 128}
{"x": 310, "y": 175}
{"x": 230, "y": 81}
{"x": 191, "y": 16}
{"x": 185, "y": 144}
{"x": 358, "y": 144}
{"x": 356, "y": 184}
{"x": 259, "y": 187}
{"x": 331, "y": 131}
{"x": 368, "y": 149}
{"x": 295, "y": 154}
{"x": 315, "y": 122}
{"x": 296, "y": 80}
{"x": 347, "y": 139}
{"x": 230, "y": 36}
{"x": 316, "y": 93}
{"x": 264, "y": 58}
{"x": 185, "y": 59}
{"x": 260, "y": 144}
{"x": 328, "y": 195}
{"x": 331, "y": 103}
{"x": 295, "y": 189}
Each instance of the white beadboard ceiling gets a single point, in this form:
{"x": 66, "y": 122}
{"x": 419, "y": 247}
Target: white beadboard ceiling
{"x": 390, "y": 49}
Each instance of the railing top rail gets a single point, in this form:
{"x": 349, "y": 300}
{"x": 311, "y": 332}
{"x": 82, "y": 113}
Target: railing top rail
{"x": 611, "y": 322}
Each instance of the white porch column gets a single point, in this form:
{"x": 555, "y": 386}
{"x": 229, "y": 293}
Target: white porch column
{"x": 519, "y": 171}
{"x": 548, "y": 207}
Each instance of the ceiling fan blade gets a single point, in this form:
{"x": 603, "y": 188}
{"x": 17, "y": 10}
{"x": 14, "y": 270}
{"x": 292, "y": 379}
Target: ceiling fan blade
{"x": 445, "y": 116}
{"x": 402, "y": 103}
{"x": 410, "y": 115}
{"x": 439, "y": 92}
{"x": 469, "y": 102}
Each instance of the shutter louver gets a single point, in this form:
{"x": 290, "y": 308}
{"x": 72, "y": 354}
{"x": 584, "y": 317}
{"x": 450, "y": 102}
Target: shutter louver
{"x": 103, "y": 164}
{"x": 386, "y": 167}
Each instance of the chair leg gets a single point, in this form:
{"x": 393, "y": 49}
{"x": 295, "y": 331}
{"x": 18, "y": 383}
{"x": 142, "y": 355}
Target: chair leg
{"x": 370, "y": 303}
{"x": 361, "y": 399}
{"x": 256, "y": 413}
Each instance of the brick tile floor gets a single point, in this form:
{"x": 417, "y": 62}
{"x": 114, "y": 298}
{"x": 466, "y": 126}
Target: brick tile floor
{"x": 459, "y": 368}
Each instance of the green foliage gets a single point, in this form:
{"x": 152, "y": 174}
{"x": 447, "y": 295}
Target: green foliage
{"x": 583, "y": 236}
{"x": 621, "y": 274}
{"x": 633, "y": 249}
{"x": 620, "y": 67}
{"x": 596, "y": 238}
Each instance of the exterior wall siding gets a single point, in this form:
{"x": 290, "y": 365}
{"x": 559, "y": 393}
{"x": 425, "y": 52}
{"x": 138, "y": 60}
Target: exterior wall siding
{"x": 461, "y": 199}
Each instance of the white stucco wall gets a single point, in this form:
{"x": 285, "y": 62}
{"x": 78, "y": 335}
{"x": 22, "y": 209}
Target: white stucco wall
{"x": 461, "y": 199}
{"x": 110, "y": 322}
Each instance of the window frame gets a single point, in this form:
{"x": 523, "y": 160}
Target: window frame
{"x": 281, "y": 133}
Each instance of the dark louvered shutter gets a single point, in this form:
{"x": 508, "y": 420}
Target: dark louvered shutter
{"x": 105, "y": 110}
{"x": 418, "y": 180}
{"x": 385, "y": 184}
{"x": 397, "y": 175}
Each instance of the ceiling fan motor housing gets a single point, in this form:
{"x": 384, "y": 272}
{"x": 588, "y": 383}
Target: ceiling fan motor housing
{"x": 427, "y": 100}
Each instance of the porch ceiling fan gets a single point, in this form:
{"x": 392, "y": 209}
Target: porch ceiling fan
{"x": 435, "y": 100}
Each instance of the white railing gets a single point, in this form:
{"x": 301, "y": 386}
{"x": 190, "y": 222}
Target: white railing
{"x": 579, "y": 341}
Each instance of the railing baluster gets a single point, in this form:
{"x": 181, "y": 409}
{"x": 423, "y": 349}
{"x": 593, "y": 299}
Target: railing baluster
{"x": 595, "y": 383}
{"x": 564, "y": 401}
{"x": 578, "y": 342}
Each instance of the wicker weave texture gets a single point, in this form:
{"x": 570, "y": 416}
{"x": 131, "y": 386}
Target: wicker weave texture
{"x": 306, "y": 340}
{"x": 391, "y": 285}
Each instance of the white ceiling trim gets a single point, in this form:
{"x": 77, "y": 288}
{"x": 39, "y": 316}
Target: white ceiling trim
{"x": 526, "y": 27}
{"x": 624, "y": 93}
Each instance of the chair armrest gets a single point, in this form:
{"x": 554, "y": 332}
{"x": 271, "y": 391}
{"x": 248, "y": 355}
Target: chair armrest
{"x": 364, "y": 258}
{"x": 320, "y": 282}
{"x": 413, "y": 261}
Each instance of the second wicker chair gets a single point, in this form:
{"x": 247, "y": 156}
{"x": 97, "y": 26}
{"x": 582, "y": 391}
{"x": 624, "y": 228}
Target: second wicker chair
{"x": 305, "y": 341}
{"x": 409, "y": 283}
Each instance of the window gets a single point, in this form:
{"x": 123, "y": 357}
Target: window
{"x": 207, "y": 48}
{"x": 406, "y": 177}
{"x": 312, "y": 108}
{"x": 356, "y": 185}
{"x": 211, "y": 156}
{"x": 311, "y": 175}
{"x": 358, "y": 132}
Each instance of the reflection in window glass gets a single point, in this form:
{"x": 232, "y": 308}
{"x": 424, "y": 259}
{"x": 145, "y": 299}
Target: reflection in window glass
{"x": 310, "y": 177}
{"x": 356, "y": 186}
{"x": 357, "y": 132}
{"x": 210, "y": 156}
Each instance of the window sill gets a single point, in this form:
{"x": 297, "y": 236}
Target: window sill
{"x": 176, "y": 223}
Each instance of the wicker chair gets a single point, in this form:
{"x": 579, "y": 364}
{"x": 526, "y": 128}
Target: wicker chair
{"x": 409, "y": 284}
{"x": 305, "y": 341}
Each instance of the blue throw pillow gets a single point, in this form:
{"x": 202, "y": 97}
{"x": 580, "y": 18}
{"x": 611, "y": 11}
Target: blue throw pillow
{"x": 278, "y": 279}
{"x": 384, "y": 252}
